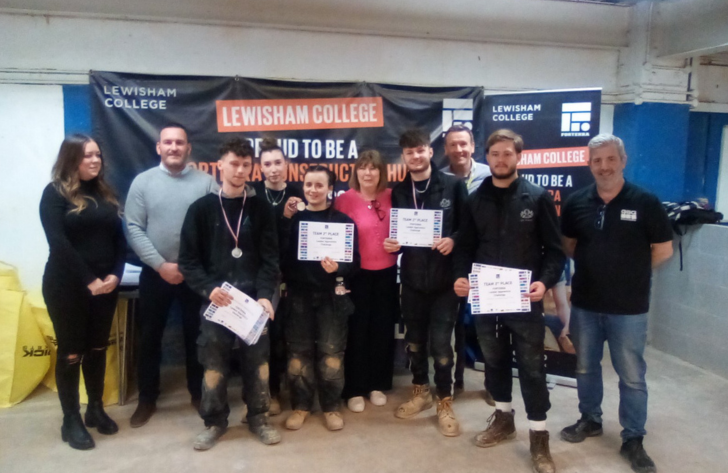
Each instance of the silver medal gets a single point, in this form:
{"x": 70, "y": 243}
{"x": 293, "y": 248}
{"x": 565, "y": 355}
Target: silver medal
{"x": 237, "y": 253}
{"x": 301, "y": 206}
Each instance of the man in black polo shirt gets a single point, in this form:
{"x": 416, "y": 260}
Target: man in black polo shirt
{"x": 616, "y": 232}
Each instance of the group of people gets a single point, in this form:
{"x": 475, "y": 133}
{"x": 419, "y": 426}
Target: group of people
{"x": 331, "y": 327}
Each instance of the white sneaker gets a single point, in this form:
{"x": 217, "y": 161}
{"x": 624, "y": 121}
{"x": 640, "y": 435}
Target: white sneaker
{"x": 355, "y": 404}
{"x": 378, "y": 398}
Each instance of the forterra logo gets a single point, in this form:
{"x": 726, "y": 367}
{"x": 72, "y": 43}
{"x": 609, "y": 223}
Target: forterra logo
{"x": 457, "y": 112}
{"x": 576, "y": 118}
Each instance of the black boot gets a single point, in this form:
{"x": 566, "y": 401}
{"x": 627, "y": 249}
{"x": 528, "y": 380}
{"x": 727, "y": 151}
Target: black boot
{"x": 74, "y": 432}
{"x": 97, "y": 417}
{"x": 94, "y": 370}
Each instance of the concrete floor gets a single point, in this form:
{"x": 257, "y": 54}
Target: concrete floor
{"x": 687, "y": 433}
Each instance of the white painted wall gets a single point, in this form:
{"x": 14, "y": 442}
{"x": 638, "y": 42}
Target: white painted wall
{"x": 57, "y": 46}
{"x": 31, "y": 131}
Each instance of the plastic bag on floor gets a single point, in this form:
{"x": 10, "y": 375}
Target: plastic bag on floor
{"x": 24, "y": 355}
{"x": 111, "y": 380}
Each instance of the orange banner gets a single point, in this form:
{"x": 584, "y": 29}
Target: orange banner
{"x": 554, "y": 158}
{"x": 299, "y": 114}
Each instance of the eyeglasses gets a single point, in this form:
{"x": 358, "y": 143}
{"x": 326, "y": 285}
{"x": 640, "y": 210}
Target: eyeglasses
{"x": 599, "y": 223}
{"x": 374, "y": 204}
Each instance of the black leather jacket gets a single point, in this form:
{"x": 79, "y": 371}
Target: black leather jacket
{"x": 517, "y": 228}
{"x": 425, "y": 269}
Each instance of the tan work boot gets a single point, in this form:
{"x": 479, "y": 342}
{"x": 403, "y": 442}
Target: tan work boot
{"x": 449, "y": 425}
{"x": 500, "y": 427}
{"x": 421, "y": 400}
{"x": 275, "y": 406}
{"x": 540, "y": 453}
{"x": 296, "y": 420}
{"x": 334, "y": 421}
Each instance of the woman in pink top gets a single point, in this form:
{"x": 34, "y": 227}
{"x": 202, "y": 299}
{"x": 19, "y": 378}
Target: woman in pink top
{"x": 369, "y": 359}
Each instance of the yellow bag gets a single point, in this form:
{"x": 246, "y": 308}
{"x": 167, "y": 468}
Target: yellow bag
{"x": 111, "y": 380}
{"x": 9, "y": 277}
{"x": 24, "y": 355}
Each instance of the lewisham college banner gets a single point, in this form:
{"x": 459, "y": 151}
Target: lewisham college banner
{"x": 328, "y": 123}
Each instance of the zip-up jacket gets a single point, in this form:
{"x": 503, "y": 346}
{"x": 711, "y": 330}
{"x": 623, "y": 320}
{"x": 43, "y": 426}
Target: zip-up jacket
{"x": 425, "y": 269}
{"x": 515, "y": 228}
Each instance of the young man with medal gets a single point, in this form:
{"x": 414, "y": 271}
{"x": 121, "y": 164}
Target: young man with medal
{"x": 230, "y": 236}
{"x": 429, "y": 304}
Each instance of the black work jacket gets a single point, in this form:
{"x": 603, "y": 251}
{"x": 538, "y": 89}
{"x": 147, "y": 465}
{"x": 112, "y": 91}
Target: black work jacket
{"x": 425, "y": 269}
{"x": 519, "y": 229}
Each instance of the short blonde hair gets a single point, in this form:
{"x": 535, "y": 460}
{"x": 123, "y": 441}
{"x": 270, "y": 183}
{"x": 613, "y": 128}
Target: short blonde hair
{"x": 375, "y": 159}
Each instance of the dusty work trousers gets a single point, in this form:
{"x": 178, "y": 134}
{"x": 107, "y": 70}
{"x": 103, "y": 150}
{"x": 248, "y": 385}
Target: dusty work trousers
{"x": 315, "y": 332}
{"x": 215, "y": 346}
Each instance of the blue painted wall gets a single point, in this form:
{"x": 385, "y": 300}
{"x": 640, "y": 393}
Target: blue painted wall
{"x": 656, "y": 138}
{"x": 76, "y": 109}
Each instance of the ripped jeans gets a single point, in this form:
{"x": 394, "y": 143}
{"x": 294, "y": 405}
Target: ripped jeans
{"x": 315, "y": 331}
{"x": 214, "y": 348}
{"x": 429, "y": 319}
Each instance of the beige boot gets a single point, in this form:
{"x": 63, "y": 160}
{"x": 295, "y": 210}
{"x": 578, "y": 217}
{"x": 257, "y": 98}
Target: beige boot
{"x": 449, "y": 425}
{"x": 500, "y": 427}
{"x": 421, "y": 400}
{"x": 540, "y": 453}
{"x": 296, "y": 420}
{"x": 334, "y": 421}
{"x": 275, "y": 407}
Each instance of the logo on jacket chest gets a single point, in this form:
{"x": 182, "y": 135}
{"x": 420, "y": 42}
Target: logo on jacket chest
{"x": 445, "y": 203}
{"x": 629, "y": 215}
{"x": 526, "y": 215}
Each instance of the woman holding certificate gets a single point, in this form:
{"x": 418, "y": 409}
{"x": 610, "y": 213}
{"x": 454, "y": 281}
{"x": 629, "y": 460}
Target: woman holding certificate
{"x": 80, "y": 216}
{"x": 319, "y": 251}
{"x": 374, "y": 290}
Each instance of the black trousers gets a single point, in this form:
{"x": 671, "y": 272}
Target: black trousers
{"x": 498, "y": 338}
{"x": 215, "y": 346}
{"x": 315, "y": 331}
{"x": 369, "y": 360}
{"x": 155, "y": 299}
{"x": 429, "y": 319}
{"x": 82, "y": 323}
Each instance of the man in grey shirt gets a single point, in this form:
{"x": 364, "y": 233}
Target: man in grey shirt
{"x": 155, "y": 210}
{"x": 459, "y": 149}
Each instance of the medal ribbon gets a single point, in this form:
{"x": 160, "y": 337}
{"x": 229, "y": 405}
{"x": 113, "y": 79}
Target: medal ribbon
{"x": 240, "y": 220}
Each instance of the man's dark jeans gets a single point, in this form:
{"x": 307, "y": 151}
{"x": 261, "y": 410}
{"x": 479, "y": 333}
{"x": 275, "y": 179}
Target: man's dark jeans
{"x": 316, "y": 329}
{"x": 155, "y": 299}
{"x": 429, "y": 318}
{"x": 498, "y": 336}
{"x": 215, "y": 346}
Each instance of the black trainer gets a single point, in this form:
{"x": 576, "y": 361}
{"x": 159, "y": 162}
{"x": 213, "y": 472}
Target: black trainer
{"x": 633, "y": 451}
{"x": 581, "y": 430}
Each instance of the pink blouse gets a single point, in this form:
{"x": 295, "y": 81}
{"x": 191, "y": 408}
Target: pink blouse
{"x": 371, "y": 231}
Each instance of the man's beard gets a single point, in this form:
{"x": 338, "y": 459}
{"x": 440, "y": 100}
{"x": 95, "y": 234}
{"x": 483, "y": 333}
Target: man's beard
{"x": 505, "y": 174}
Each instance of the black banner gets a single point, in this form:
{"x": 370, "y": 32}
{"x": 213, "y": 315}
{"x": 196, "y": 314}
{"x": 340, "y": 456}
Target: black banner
{"x": 556, "y": 128}
{"x": 326, "y": 123}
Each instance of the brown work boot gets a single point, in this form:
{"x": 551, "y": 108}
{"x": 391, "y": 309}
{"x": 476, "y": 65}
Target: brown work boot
{"x": 449, "y": 425}
{"x": 143, "y": 413}
{"x": 333, "y": 420}
{"x": 540, "y": 453}
{"x": 500, "y": 427}
{"x": 421, "y": 400}
{"x": 296, "y": 419}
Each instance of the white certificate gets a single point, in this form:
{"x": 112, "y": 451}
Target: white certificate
{"x": 415, "y": 227}
{"x": 244, "y": 316}
{"x": 497, "y": 290}
{"x": 317, "y": 240}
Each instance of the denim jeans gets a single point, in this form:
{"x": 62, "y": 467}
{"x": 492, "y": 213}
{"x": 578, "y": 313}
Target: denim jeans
{"x": 429, "y": 319}
{"x": 315, "y": 331}
{"x": 498, "y": 337}
{"x": 215, "y": 346}
{"x": 626, "y": 335}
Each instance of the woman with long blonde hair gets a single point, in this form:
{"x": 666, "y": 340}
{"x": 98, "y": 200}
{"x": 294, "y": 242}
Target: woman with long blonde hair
{"x": 80, "y": 216}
